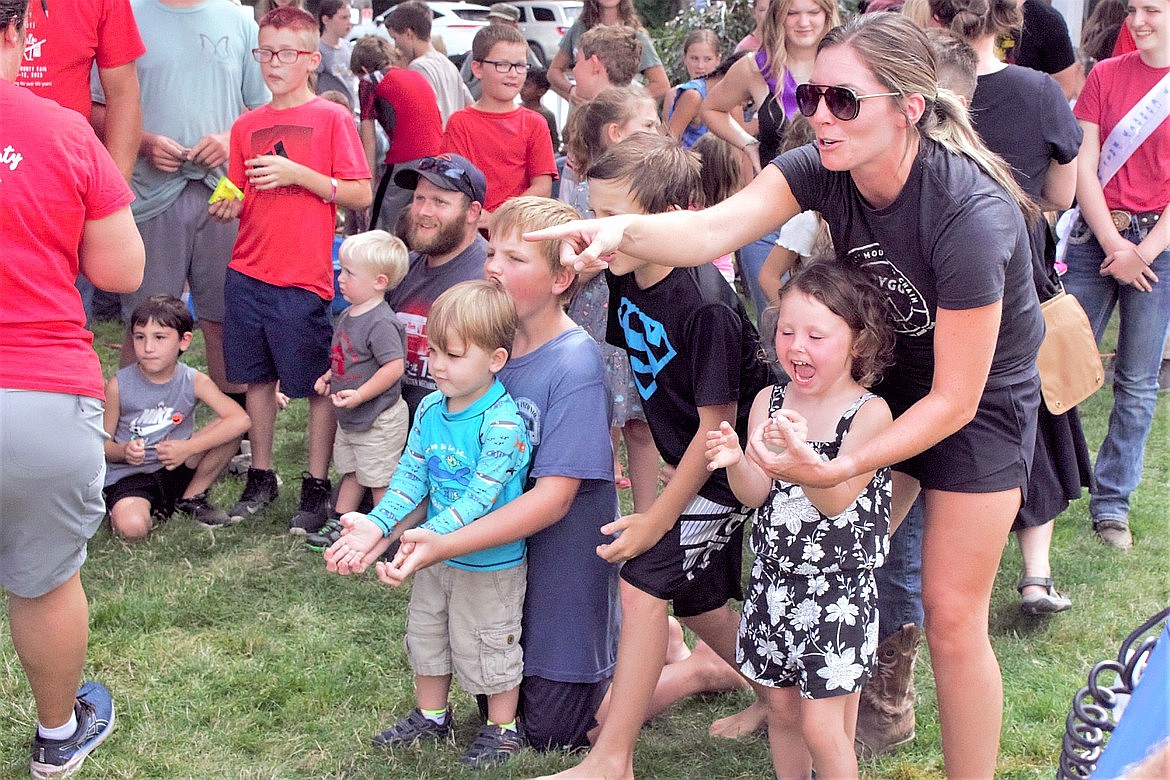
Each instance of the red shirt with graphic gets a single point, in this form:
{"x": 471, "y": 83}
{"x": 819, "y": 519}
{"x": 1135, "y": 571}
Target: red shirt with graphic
{"x": 62, "y": 48}
{"x": 286, "y": 234}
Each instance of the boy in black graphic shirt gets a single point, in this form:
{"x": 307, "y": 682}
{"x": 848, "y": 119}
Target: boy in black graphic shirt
{"x": 694, "y": 356}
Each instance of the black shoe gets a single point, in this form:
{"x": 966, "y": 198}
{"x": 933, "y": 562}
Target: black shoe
{"x": 493, "y": 745}
{"x": 262, "y": 488}
{"x": 313, "y": 511}
{"x": 413, "y": 727}
{"x": 199, "y": 509}
{"x": 324, "y": 538}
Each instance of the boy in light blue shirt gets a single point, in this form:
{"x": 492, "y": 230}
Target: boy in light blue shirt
{"x": 468, "y": 453}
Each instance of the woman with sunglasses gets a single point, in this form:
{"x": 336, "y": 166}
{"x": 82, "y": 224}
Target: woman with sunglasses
{"x": 914, "y": 198}
{"x": 790, "y": 31}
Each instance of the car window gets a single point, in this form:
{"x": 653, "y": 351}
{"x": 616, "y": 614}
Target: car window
{"x": 543, "y": 15}
{"x": 472, "y": 14}
{"x": 572, "y": 12}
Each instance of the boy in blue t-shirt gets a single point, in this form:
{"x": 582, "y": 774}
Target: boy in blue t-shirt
{"x": 555, "y": 373}
{"x": 467, "y": 453}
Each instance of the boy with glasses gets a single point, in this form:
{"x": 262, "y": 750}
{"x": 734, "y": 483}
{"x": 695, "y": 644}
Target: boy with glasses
{"x": 296, "y": 159}
{"x": 509, "y": 143}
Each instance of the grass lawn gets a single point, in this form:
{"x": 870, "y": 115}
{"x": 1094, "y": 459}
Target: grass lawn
{"x": 232, "y": 653}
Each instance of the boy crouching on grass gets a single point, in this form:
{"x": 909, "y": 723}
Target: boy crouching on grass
{"x": 156, "y": 461}
{"x": 364, "y": 380}
{"x": 468, "y": 453}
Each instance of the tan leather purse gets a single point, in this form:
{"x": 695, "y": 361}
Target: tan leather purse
{"x": 1069, "y": 363}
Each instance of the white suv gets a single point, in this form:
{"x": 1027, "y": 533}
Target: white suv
{"x": 455, "y": 22}
{"x": 545, "y": 22}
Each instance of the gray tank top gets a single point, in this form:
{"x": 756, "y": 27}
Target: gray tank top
{"x": 152, "y": 412}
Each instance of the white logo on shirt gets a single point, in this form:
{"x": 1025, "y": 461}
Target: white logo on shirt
{"x": 32, "y": 48}
{"x": 10, "y": 157}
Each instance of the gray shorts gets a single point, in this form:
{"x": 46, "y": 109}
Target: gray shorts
{"x": 50, "y": 487}
{"x": 185, "y": 245}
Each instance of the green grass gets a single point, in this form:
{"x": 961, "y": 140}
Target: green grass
{"x": 232, "y": 653}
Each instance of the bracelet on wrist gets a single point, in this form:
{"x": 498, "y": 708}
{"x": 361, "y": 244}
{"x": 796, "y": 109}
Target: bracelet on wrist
{"x": 333, "y": 194}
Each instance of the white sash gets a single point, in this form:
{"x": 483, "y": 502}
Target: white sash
{"x": 1134, "y": 128}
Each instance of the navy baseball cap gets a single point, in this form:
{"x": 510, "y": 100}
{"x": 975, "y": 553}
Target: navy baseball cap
{"x": 446, "y": 171}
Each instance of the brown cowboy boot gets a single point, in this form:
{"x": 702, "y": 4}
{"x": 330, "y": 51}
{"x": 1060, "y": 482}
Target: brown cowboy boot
{"x": 885, "y": 716}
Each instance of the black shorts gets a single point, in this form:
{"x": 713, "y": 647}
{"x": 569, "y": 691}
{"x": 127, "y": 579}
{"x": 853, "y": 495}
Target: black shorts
{"x": 992, "y": 453}
{"x": 161, "y": 488}
{"x": 559, "y": 714}
{"x": 697, "y": 565}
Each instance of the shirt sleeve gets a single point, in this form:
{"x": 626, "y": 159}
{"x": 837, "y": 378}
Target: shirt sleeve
{"x": 409, "y": 485}
{"x": 455, "y": 137}
{"x": 650, "y": 58}
{"x": 349, "y": 158}
{"x": 504, "y": 453}
{"x": 540, "y": 159}
{"x": 236, "y": 155}
{"x": 385, "y": 341}
{"x": 118, "y": 40}
{"x": 1061, "y": 131}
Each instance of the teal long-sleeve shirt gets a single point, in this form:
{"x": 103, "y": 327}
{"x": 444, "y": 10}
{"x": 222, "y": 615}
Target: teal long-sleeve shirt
{"x": 468, "y": 463}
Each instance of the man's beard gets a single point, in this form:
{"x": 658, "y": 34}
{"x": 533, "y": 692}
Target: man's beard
{"x": 446, "y": 240}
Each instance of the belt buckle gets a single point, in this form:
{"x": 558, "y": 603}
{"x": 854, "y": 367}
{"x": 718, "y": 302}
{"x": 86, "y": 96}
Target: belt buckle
{"x": 1121, "y": 219}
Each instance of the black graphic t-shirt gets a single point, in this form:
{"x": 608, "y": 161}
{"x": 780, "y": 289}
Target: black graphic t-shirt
{"x": 690, "y": 344}
{"x": 952, "y": 239}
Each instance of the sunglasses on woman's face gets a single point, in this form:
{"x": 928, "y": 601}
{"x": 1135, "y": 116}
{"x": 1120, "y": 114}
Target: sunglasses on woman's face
{"x": 842, "y": 102}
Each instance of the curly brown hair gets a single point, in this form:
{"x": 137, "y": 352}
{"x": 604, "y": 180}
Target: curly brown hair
{"x": 848, "y": 292}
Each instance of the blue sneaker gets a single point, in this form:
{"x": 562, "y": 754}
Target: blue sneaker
{"x": 54, "y": 758}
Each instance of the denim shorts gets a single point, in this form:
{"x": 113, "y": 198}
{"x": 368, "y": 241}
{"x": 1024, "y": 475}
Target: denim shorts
{"x": 275, "y": 333}
{"x": 990, "y": 454}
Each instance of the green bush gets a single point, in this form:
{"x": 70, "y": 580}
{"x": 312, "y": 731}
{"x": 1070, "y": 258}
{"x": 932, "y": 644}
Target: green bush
{"x": 730, "y": 20}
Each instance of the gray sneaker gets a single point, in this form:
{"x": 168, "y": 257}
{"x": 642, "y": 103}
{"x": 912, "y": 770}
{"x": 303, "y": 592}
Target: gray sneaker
{"x": 261, "y": 490}
{"x": 413, "y": 727}
{"x": 493, "y": 745}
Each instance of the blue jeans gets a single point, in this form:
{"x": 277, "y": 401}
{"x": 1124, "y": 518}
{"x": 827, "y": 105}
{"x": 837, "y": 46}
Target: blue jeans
{"x": 751, "y": 260}
{"x": 899, "y": 581}
{"x": 1145, "y": 319}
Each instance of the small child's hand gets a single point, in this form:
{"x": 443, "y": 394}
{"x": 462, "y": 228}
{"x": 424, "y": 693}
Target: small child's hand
{"x": 723, "y": 450}
{"x": 346, "y": 399}
{"x": 282, "y": 400}
{"x": 351, "y": 553}
{"x": 799, "y": 423}
{"x": 389, "y": 575}
{"x": 637, "y": 534}
{"x": 269, "y": 171}
{"x": 321, "y": 386}
{"x": 225, "y": 210}
{"x": 172, "y": 454}
{"x": 136, "y": 452}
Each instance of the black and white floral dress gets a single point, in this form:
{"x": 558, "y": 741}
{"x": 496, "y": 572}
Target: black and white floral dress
{"x": 810, "y": 616}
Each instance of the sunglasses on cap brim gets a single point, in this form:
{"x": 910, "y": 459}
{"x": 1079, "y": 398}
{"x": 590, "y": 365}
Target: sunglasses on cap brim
{"x": 842, "y": 102}
{"x": 446, "y": 168}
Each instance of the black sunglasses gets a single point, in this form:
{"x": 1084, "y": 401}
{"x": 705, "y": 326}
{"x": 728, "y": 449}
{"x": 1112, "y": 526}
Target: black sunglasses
{"x": 842, "y": 102}
{"x": 446, "y": 168}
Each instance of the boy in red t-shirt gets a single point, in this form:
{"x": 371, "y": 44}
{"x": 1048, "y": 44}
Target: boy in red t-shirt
{"x": 509, "y": 143}
{"x": 296, "y": 159}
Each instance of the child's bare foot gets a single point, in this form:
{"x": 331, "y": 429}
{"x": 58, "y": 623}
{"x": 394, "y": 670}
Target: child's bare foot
{"x": 748, "y": 721}
{"x": 715, "y": 673}
{"x": 676, "y": 646}
{"x": 595, "y": 770}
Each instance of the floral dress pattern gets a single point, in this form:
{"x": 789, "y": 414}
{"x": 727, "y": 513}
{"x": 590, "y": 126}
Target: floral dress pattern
{"x": 810, "y": 616}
